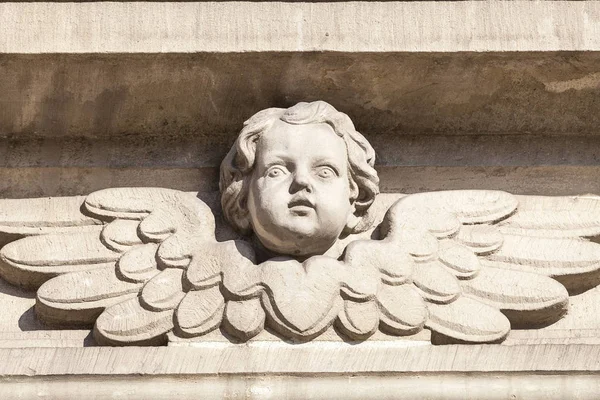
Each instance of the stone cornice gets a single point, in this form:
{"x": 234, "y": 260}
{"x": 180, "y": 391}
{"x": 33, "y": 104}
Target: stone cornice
{"x": 315, "y": 358}
{"x": 148, "y": 27}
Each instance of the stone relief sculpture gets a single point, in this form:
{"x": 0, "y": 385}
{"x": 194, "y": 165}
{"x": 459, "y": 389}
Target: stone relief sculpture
{"x": 317, "y": 249}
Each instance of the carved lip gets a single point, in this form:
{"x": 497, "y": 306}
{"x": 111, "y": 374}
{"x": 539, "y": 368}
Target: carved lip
{"x": 300, "y": 202}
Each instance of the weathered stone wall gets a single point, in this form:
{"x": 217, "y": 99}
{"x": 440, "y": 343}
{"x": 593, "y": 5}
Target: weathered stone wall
{"x": 498, "y": 95}
{"x": 452, "y": 95}
{"x": 523, "y": 122}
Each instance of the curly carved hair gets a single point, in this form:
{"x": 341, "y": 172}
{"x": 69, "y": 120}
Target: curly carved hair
{"x": 238, "y": 165}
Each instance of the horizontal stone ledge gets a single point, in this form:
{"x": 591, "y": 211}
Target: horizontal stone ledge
{"x": 445, "y": 26}
{"x": 378, "y": 357}
{"x": 44, "y": 337}
{"x": 393, "y": 150}
{"x": 534, "y": 180}
{"x": 439, "y": 386}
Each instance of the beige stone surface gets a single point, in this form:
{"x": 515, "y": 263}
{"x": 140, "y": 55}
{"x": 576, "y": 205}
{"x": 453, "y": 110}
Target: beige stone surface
{"x": 276, "y": 26}
{"x": 405, "y": 386}
{"x": 309, "y": 358}
{"x": 520, "y": 121}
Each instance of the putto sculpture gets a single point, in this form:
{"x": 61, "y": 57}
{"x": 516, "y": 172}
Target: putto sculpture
{"x": 298, "y": 178}
{"x": 319, "y": 251}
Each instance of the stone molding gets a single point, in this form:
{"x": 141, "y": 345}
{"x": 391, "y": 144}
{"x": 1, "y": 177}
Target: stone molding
{"x": 529, "y": 365}
{"x": 147, "y": 27}
{"x": 319, "y": 358}
{"x": 438, "y": 386}
{"x": 319, "y": 371}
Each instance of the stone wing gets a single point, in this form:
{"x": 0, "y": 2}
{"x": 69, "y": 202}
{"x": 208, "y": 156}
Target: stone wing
{"x": 484, "y": 261}
{"x": 117, "y": 255}
{"x": 141, "y": 262}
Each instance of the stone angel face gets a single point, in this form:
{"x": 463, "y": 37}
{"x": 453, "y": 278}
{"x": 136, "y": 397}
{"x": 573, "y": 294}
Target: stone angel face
{"x": 299, "y": 178}
{"x": 143, "y": 265}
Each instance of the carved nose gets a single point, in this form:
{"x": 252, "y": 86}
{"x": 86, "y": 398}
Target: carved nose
{"x": 301, "y": 182}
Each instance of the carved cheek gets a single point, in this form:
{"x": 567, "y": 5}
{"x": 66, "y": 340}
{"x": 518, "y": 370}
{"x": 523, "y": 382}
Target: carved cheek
{"x": 334, "y": 205}
{"x": 262, "y": 189}
{"x": 337, "y": 191}
{"x": 270, "y": 196}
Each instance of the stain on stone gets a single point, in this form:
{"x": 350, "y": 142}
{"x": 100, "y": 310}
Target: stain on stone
{"x": 51, "y": 117}
{"x": 107, "y": 108}
{"x": 588, "y": 82}
{"x": 204, "y": 95}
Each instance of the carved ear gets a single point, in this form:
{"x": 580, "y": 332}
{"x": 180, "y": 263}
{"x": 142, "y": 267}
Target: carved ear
{"x": 351, "y": 224}
{"x": 355, "y": 223}
{"x": 241, "y": 221}
{"x": 354, "y": 189}
{"x": 353, "y": 219}
{"x": 235, "y": 208}
{"x": 359, "y": 223}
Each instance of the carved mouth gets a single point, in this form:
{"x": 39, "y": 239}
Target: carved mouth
{"x": 300, "y": 202}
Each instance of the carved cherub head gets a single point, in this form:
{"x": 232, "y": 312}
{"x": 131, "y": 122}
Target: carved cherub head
{"x": 299, "y": 178}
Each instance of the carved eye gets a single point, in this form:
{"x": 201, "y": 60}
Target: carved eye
{"x": 275, "y": 172}
{"x": 326, "y": 172}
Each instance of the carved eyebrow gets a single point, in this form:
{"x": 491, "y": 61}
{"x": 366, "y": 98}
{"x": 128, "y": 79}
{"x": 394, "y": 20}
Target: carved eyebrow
{"x": 277, "y": 161}
{"x": 271, "y": 158}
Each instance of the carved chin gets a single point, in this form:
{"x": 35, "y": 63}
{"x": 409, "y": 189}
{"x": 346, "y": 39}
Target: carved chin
{"x": 300, "y": 241}
{"x": 301, "y": 247}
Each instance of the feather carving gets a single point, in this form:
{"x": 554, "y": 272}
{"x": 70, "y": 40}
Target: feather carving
{"x": 138, "y": 263}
